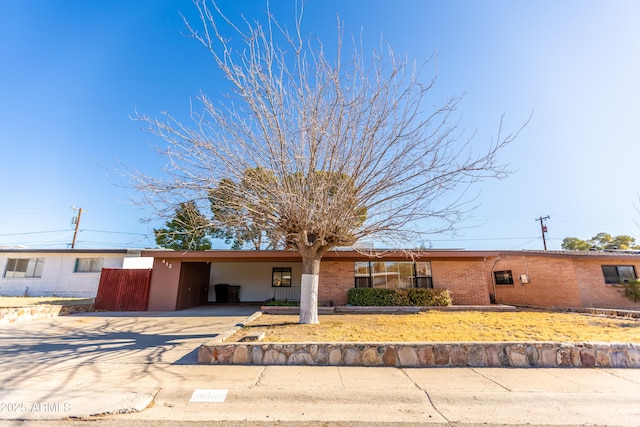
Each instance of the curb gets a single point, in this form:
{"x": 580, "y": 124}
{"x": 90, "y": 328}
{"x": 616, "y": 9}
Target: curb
{"x": 72, "y": 404}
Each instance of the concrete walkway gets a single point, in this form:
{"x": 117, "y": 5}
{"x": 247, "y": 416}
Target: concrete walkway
{"x": 137, "y": 367}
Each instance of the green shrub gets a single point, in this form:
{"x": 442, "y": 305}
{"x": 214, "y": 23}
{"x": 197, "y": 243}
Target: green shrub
{"x": 279, "y": 303}
{"x": 399, "y": 297}
{"x": 632, "y": 290}
{"x": 429, "y": 297}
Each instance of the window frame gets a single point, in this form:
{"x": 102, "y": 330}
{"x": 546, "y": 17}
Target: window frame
{"x": 277, "y": 273}
{"x": 95, "y": 265}
{"x": 365, "y": 272}
{"x": 506, "y": 277}
{"x": 618, "y": 277}
{"x": 362, "y": 274}
{"x": 424, "y": 275}
{"x": 33, "y": 269}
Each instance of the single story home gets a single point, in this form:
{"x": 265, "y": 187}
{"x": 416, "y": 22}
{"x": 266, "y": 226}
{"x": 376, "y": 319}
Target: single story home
{"x": 61, "y": 272}
{"x": 530, "y": 278}
{"x": 179, "y": 280}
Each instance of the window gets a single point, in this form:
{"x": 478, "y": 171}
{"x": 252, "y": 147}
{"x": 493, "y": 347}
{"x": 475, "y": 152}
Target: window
{"x": 281, "y": 277}
{"x": 363, "y": 274}
{"x": 423, "y": 275}
{"x": 614, "y": 274}
{"x": 503, "y": 277}
{"x": 392, "y": 274}
{"x": 88, "y": 265}
{"x": 24, "y": 267}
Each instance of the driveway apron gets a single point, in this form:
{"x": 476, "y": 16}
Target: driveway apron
{"x": 134, "y": 337}
{"x": 47, "y": 364}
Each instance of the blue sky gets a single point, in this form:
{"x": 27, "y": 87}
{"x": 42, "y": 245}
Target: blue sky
{"x": 73, "y": 72}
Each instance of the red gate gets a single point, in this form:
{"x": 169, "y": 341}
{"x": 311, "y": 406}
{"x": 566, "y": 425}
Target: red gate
{"x": 123, "y": 290}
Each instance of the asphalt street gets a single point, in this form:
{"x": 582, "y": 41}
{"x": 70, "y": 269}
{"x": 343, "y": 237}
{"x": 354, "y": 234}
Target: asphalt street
{"x": 116, "y": 369}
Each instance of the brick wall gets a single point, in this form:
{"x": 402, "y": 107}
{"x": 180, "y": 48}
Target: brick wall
{"x": 553, "y": 281}
{"x": 336, "y": 278}
{"x": 594, "y": 291}
{"x": 465, "y": 280}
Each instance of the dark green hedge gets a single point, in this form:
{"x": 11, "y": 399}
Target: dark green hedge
{"x": 632, "y": 290}
{"x": 399, "y": 297}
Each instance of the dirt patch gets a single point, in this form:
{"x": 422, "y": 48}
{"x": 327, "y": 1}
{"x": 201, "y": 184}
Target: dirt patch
{"x": 437, "y": 326}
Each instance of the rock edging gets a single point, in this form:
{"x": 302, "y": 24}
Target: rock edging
{"x": 424, "y": 355}
{"x": 350, "y": 309}
{"x": 43, "y": 311}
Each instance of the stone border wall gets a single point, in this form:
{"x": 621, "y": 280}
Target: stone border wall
{"x": 424, "y": 355}
{"x": 349, "y": 309}
{"x": 37, "y": 312}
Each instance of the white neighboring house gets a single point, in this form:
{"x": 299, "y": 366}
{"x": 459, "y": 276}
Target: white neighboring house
{"x": 61, "y": 272}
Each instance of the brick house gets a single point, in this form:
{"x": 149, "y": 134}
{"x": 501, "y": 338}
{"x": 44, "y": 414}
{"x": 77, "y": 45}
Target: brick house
{"x": 186, "y": 279}
{"x": 533, "y": 278}
{"x": 564, "y": 278}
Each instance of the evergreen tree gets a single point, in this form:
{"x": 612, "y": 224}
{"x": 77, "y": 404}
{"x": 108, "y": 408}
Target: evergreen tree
{"x": 187, "y": 230}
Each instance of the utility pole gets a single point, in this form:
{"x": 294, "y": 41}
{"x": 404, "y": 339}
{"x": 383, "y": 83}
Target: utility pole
{"x": 543, "y": 229}
{"x": 76, "y": 221}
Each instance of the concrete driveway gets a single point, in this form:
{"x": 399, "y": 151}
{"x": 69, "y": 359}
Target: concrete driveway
{"x": 133, "y": 337}
{"x": 91, "y": 363}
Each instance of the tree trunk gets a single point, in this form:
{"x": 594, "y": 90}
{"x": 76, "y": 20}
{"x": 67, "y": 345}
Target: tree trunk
{"x": 309, "y": 291}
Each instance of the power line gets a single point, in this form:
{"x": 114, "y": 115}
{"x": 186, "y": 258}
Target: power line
{"x": 114, "y": 245}
{"x": 525, "y": 243}
{"x": 34, "y": 232}
{"x": 482, "y": 239}
{"x": 26, "y": 233}
{"x": 116, "y": 232}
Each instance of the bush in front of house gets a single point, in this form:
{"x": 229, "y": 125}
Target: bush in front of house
{"x": 429, "y": 297}
{"x": 399, "y": 297}
{"x": 281, "y": 303}
{"x": 632, "y": 290}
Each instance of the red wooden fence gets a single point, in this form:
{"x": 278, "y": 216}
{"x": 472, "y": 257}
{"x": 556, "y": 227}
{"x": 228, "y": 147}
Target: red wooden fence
{"x": 123, "y": 290}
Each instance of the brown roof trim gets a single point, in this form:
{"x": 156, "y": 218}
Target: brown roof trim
{"x": 222, "y": 255}
{"x": 575, "y": 254}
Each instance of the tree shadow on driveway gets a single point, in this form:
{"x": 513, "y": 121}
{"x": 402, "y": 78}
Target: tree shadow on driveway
{"x": 82, "y": 350}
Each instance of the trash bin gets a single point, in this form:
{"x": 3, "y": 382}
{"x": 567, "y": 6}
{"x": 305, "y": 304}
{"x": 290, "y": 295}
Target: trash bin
{"x": 222, "y": 292}
{"x": 233, "y": 294}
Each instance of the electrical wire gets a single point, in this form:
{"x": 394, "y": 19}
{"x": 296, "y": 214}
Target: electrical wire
{"x": 117, "y": 232}
{"x": 34, "y": 232}
{"x": 482, "y": 239}
{"x": 525, "y": 243}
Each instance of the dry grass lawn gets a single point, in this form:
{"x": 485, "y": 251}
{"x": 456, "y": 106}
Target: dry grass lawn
{"x": 25, "y": 301}
{"x": 442, "y": 326}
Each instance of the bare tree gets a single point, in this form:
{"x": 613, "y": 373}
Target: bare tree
{"x": 351, "y": 145}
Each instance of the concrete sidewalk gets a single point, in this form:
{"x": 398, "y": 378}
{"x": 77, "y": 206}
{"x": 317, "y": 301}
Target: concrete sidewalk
{"x": 391, "y": 395}
{"x": 331, "y": 394}
{"x": 141, "y": 368}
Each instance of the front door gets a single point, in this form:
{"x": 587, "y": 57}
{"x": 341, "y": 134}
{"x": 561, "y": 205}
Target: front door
{"x": 194, "y": 285}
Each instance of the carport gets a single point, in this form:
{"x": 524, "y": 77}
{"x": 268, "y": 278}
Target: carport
{"x": 182, "y": 280}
